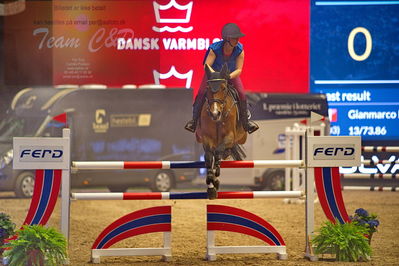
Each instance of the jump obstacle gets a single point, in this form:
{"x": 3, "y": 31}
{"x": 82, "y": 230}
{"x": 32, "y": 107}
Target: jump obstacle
{"x": 219, "y": 216}
{"x": 294, "y": 149}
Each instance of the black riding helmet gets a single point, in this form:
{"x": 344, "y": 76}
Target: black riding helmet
{"x": 231, "y": 30}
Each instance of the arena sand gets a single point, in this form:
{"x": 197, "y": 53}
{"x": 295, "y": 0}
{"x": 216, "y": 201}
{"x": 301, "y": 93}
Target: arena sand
{"x": 88, "y": 218}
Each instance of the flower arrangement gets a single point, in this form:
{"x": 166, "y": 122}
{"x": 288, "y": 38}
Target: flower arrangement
{"x": 347, "y": 241}
{"x": 364, "y": 219}
{"x": 7, "y": 228}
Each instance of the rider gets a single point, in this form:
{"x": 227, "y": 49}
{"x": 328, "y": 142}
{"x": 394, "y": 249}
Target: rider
{"x": 229, "y": 51}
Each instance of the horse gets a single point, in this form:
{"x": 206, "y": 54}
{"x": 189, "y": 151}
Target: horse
{"x": 219, "y": 129}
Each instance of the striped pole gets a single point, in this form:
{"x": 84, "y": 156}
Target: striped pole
{"x": 368, "y": 175}
{"x": 375, "y": 162}
{"x": 119, "y": 165}
{"x": 369, "y": 188}
{"x": 186, "y": 195}
{"x": 380, "y": 148}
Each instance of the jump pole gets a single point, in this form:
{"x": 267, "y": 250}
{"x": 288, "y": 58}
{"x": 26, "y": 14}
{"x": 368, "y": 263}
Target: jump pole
{"x": 187, "y": 195}
{"x": 120, "y": 165}
{"x": 380, "y": 148}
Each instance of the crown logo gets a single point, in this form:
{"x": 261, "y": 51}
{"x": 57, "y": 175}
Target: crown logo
{"x": 12, "y": 8}
{"x": 173, "y": 73}
{"x": 163, "y": 14}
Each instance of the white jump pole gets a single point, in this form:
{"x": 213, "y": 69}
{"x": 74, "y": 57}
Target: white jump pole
{"x": 120, "y": 165}
{"x": 66, "y": 191}
{"x": 309, "y": 201}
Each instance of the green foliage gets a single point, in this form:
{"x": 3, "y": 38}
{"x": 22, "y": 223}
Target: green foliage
{"x": 41, "y": 241}
{"x": 6, "y": 227}
{"x": 347, "y": 241}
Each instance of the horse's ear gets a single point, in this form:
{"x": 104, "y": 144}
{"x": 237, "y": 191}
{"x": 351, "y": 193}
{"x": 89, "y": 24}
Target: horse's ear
{"x": 208, "y": 71}
{"x": 225, "y": 73}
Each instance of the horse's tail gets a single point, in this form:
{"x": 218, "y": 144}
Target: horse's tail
{"x": 237, "y": 152}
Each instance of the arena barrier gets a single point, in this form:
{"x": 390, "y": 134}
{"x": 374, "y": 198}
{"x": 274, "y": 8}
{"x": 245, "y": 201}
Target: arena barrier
{"x": 54, "y": 153}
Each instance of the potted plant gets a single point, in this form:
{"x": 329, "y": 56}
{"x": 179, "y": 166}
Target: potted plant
{"x": 36, "y": 245}
{"x": 6, "y": 229}
{"x": 364, "y": 219}
{"x": 346, "y": 241}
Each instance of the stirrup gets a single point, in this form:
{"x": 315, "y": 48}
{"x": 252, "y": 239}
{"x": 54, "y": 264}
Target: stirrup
{"x": 190, "y": 126}
{"x": 252, "y": 127}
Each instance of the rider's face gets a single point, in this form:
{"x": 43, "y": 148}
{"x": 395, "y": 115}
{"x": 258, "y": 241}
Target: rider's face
{"x": 234, "y": 41}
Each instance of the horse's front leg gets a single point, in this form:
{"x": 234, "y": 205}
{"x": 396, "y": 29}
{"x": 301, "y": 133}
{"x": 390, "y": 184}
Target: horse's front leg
{"x": 218, "y": 158}
{"x": 210, "y": 176}
{"x": 216, "y": 167}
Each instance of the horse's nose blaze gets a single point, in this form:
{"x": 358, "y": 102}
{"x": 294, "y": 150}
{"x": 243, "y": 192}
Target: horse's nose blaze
{"x": 216, "y": 114}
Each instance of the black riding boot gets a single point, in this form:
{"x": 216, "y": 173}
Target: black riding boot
{"x": 249, "y": 126}
{"x": 197, "y": 106}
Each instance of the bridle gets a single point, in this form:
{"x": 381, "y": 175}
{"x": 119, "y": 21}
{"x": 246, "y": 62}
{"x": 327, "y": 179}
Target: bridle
{"x": 214, "y": 85}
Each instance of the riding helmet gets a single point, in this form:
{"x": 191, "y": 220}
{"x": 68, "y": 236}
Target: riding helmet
{"x": 231, "y": 30}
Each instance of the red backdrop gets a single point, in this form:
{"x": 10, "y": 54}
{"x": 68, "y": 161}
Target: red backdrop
{"x": 84, "y": 41}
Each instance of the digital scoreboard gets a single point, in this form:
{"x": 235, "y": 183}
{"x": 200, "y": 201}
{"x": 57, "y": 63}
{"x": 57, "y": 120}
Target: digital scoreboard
{"x": 355, "y": 62}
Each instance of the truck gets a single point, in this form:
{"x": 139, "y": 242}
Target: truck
{"x": 106, "y": 125}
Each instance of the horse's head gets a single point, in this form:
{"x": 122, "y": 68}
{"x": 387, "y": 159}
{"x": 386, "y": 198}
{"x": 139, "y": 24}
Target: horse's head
{"x": 216, "y": 91}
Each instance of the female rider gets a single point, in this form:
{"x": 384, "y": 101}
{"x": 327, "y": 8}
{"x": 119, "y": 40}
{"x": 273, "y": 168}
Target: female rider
{"x": 229, "y": 51}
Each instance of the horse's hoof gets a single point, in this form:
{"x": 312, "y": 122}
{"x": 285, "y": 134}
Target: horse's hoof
{"x": 212, "y": 194}
{"x": 216, "y": 183}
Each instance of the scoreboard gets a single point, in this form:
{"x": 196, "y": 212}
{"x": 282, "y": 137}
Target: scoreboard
{"x": 354, "y": 60}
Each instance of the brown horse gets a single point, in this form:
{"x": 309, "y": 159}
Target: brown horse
{"x": 219, "y": 129}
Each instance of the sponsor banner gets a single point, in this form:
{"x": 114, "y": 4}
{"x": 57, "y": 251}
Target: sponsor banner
{"x": 327, "y": 151}
{"x": 162, "y": 41}
{"x": 41, "y": 153}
